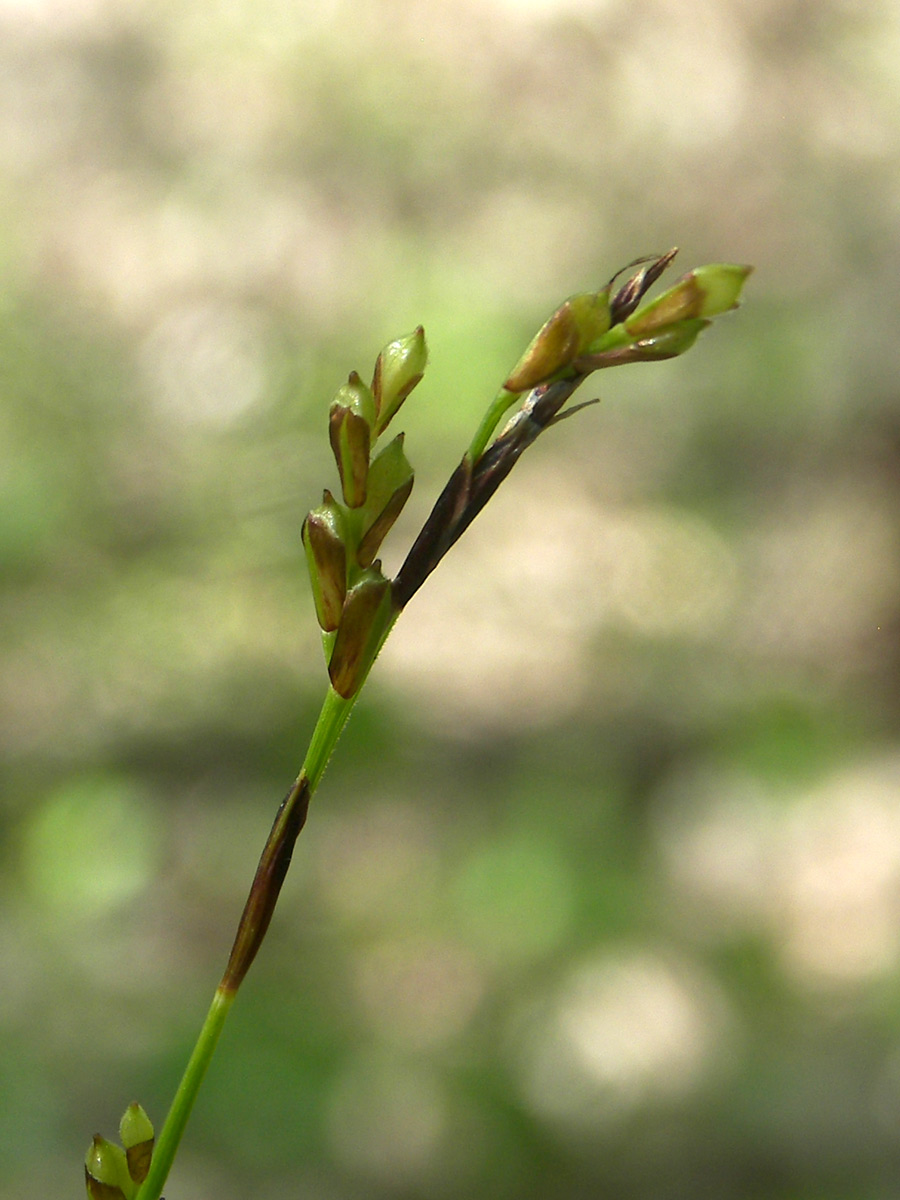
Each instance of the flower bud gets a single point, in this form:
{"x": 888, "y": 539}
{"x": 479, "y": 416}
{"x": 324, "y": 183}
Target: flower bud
{"x": 565, "y": 335}
{"x": 704, "y": 292}
{"x": 398, "y": 368}
{"x": 136, "y": 1133}
{"x": 106, "y": 1171}
{"x": 326, "y": 556}
{"x": 390, "y": 483}
{"x": 350, "y": 423}
{"x": 363, "y": 622}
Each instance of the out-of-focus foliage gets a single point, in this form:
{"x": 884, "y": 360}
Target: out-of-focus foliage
{"x": 601, "y": 895}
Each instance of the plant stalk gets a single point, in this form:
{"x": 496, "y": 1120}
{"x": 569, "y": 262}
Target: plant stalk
{"x": 273, "y": 864}
{"x": 553, "y": 371}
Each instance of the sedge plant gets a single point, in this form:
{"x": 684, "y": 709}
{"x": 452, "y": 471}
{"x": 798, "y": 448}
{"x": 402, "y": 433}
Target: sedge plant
{"x": 357, "y": 605}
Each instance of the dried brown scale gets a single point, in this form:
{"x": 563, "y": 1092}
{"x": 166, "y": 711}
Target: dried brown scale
{"x": 469, "y": 489}
{"x": 138, "y": 1158}
{"x": 499, "y": 459}
{"x": 270, "y": 873}
{"x": 432, "y": 543}
{"x": 101, "y": 1191}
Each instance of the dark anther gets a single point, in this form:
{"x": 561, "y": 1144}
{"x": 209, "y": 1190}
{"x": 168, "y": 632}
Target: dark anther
{"x": 630, "y": 294}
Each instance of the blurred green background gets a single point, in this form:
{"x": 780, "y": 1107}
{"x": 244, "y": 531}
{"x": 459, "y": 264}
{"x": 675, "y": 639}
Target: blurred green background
{"x": 600, "y": 896}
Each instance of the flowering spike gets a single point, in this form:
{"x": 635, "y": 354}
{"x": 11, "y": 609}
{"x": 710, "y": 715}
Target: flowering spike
{"x": 398, "y": 368}
{"x": 390, "y": 483}
{"x": 359, "y": 635}
{"x": 324, "y": 536}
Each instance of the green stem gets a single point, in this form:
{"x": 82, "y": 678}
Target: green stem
{"x": 503, "y": 401}
{"x": 332, "y": 719}
{"x": 170, "y": 1135}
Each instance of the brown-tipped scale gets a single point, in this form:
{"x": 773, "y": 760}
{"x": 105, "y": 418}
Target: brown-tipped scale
{"x": 350, "y": 421}
{"x": 324, "y": 541}
{"x": 359, "y": 635}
